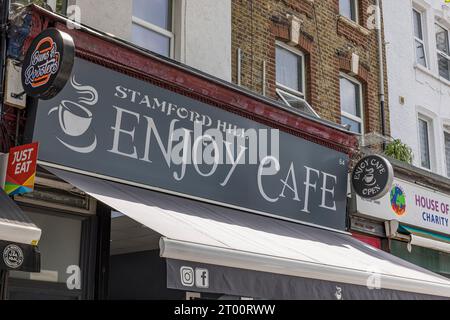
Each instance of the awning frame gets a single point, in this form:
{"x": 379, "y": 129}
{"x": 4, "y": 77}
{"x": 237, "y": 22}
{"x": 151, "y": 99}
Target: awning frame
{"x": 200, "y": 232}
{"x": 417, "y": 237}
{"x": 179, "y": 250}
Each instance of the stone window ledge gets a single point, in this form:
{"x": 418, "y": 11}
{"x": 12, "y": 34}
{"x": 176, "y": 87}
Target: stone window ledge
{"x": 431, "y": 74}
{"x": 354, "y": 25}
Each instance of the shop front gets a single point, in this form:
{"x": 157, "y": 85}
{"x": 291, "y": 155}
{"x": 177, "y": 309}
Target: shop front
{"x": 212, "y": 191}
{"x": 415, "y": 219}
{"x": 19, "y": 238}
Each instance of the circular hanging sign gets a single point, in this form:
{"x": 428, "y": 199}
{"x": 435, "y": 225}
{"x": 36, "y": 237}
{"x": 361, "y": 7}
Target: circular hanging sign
{"x": 48, "y": 64}
{"x": 13, "y": 256}
{"x": 372, "y": 177}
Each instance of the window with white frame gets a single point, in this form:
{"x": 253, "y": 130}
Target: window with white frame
{"x": 349, "y": 9}
{"x": 152, "y": 26}
{"x": 290, "y": 77}
{"x": 443, "y": 52}
{"x": 351, "y": 104}
{"x": 419, "y": 38}
{"x": 424, "y": 142}
{"x": 447, "y": 151}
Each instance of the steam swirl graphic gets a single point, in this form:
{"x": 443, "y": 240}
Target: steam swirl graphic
{"x": 92, "y": 100}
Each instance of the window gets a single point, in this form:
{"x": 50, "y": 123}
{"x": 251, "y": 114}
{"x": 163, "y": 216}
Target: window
{"x": 419, "y": 41}
{"x": 424, "y": 143}
{"x": 447, "y": 151}
{"x": 59, "y": 246}
{"x": 443, "y": 52}
{"x": 349, "y": 9}
{"x": 290, "y": 69}
{"x": 290, "y": 78}
{"x": 351, "y": 104}
{"x": 152, "y": 26}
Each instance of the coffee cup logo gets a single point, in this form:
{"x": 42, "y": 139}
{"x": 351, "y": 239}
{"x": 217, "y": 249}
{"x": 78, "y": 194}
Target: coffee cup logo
{"x": 75, "y": 118}
{"x": 369, "y": 177}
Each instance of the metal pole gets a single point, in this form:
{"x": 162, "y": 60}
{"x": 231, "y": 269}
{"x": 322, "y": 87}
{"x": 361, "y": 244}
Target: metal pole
{"x": 264, "y": 80}
{"x": 239, "y": 66}
{"x": 381, "y": 71}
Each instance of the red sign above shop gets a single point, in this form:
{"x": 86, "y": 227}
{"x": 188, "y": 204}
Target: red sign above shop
{"x": 21, "y": 169}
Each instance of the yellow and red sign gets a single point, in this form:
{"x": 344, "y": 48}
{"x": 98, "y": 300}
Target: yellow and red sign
{"x": 21, "y": 169}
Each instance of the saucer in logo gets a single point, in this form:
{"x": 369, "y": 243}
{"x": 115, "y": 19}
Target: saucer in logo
{"x": 75, "y": 118}
{"x": 13, "y": 256}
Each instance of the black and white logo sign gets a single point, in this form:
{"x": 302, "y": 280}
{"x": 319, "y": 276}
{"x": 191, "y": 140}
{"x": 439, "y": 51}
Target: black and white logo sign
{"x": 187, "y": 276}
{"x": 372, "y": 177}
{"x": 199, "y": 277}
{"x": 13, "y": 256}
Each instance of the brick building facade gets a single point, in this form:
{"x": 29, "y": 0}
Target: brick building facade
{"x": 327, "y": 40}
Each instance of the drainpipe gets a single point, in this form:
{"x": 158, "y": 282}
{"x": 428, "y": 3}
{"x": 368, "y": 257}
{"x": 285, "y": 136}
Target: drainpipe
{"x": 381, "y": 71}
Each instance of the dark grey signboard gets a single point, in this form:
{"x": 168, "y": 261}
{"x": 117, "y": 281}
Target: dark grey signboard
{"x": 111, "y": 125}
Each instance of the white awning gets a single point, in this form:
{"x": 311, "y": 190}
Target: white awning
{"x": 204, "y": 233}
{"x": 15, "y": 225}
{"x": 417, "y": 240}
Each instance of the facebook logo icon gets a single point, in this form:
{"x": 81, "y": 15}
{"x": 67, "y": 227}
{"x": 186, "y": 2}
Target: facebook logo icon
{"x": 201, "y": 278}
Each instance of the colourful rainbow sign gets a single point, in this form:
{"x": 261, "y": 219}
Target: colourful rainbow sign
{"x": 21, "y": 170}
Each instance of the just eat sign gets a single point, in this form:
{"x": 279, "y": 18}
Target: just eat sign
{"x": 21, "y": 170}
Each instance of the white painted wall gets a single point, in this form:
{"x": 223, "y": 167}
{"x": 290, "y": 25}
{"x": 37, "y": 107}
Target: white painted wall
{"x": 202, "y": 29}
{"x": 208, "y": 36}
{"x": 425, "y": 92}
{"x": 111, "y": 16}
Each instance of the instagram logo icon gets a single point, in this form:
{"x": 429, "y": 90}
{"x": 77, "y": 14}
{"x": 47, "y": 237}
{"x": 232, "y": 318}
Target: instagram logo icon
{"x": 187, "y": 276}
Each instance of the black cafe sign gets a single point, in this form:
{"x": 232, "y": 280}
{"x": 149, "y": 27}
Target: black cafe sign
{"x": 110, "y": 125}
{"x": 372, "y": 177}
{"x": 47, "y": 64}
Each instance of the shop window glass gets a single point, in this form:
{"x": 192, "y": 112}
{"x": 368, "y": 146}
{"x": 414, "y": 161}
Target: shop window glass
{"x": 59, "y": 247}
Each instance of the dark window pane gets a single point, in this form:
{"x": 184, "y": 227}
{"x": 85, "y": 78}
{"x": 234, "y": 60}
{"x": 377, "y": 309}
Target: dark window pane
{"x": 59, "y": 247}
{"x": 355, "y": 126}
{"x": 424, "y": 144}
{"x": 417, "y": 17}
{"x": 350, "y": 97}
{"x": 347, "y": 8}
{"x": 444, "y": 66}
{"x": 157, "y": 12}
{"x": 420, "y": 54}
{"x": 289, "y": 69}
{"x": 151, "y": 40}
{"x": 442, "y": 39}
{"x": 447, "y": 151}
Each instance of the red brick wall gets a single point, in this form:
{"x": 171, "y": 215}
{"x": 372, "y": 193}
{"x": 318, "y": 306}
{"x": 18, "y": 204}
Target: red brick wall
{"x": 328, "y": 42}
